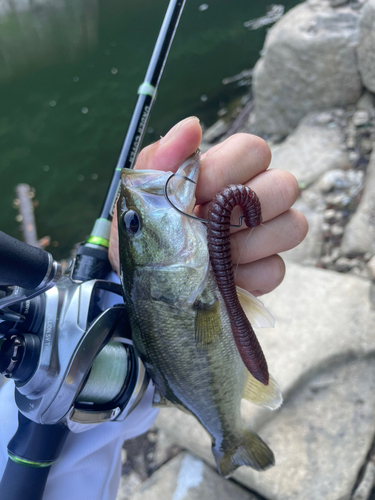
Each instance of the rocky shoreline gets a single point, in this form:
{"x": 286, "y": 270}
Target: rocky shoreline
{"x": 313, "y": 100}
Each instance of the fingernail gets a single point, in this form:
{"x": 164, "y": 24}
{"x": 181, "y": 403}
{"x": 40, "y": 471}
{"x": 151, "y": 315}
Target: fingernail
{"x": 176, "y": 128}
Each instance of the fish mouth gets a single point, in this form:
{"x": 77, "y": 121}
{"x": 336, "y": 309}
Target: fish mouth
{"x": 151, "y": 183}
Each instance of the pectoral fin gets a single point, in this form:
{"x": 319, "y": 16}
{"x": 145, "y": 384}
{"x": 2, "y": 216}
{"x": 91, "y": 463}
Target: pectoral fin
{"x": 207, "y": 324}
{"x": 262, "y": 395}
{"x": 254, "y": 309}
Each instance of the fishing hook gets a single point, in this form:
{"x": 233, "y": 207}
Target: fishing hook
{"x": 205, "y": 221}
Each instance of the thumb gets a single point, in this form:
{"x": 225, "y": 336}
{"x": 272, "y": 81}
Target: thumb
{"x": 171, "y": 150}
{"x": 167, "y": 154}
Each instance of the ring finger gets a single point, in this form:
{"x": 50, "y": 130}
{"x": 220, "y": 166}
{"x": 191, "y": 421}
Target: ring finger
{"x": 277, "y": 235}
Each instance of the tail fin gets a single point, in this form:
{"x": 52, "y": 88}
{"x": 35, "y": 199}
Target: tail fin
{"x": 250, "y": 450}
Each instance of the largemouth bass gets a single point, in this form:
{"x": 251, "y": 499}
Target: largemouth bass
{"x": 180, "y": 325}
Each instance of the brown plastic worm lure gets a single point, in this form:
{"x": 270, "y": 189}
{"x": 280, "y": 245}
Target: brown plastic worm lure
{"x": 218, "y": 239}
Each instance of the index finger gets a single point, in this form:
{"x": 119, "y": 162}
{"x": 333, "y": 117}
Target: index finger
{"x": 234, "y": 161}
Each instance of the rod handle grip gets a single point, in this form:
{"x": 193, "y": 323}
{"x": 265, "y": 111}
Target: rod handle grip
{"x": 21, "y": 264}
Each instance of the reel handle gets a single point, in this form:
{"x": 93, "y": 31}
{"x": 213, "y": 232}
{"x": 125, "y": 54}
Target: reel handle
{"x": 22, "y": 264}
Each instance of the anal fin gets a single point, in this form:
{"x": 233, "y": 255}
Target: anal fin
{"x": 254, "y": 309}
{"x": 268, "y": 396}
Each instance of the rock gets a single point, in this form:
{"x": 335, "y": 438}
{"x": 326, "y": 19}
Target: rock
{"x": 293, "y": 78}
{"x": 367, "y": 102}
{"x": 357, "y": 263}
{"x": 338, "y": 201}
{"x": 204, "y": 146}
{"x": 320, "y": 438}
{"x": 129, "y": 484}
{"x": 327, "y": 261}
{"x": 368, "y": 256}
{"x": 343, "y": 264}
{"x": 336, "y": 253}
{"x": 165, "y": 449}
{"x": 332, "y": 216}
{"x": 351, "y": 135}
{"x": 363, "y": 491}
{"x": 361, "y": 117}
{"x": 309, "y": 251}
{"x": 215, "y": 131}
{"x": 339, "y": 189}
{"x": 186, "y": 477}
{"x": 366, "y": 145}
{"x": 324, "y": 118}
{"x": 337, "y": 3}
{"x": 359, "y": 236}
{"x": 334, "y": 179}
{"x": 337, "y": 230}
{"x": 311, "y": 150}
{"x": 366, "y": 42}
{"x": 352, "y": 155}
{"x": 326, "y": 230}
{"x": 370, "y": 267}
{"x": 146, "y": 453}
{"x": 329, "y": 215}
{"x": 314, "y": 199}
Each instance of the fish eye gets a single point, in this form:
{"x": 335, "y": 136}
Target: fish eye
{"x": 132, "y": 222}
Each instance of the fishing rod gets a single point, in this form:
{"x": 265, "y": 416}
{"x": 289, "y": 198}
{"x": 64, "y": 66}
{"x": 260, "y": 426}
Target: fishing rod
{"x": 92, "y": 256}
{"x": 58, "y": 340}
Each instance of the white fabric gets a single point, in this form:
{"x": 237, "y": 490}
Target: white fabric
{"x": 90, "y": 463}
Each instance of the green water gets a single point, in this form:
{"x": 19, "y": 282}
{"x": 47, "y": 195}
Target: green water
{"x": 61, "y": 128}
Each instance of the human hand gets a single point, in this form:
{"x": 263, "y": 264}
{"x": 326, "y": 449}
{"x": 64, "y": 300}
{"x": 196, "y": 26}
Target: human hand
{"x": 241, "y": 159}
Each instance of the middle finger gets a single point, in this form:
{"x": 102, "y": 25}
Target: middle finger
{"x": 277, "y": 191}
{"x": 277, "y": 235}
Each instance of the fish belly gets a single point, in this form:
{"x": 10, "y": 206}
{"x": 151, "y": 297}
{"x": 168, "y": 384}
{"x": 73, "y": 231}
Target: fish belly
{"x": 207, "y": 381}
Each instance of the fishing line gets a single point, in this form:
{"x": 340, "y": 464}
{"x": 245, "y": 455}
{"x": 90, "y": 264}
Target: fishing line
{"x": 248, "y": 236}
{"x": 242, "y": 249}
{"x": 280, "y": 234}
{"x": 107, "y": 375}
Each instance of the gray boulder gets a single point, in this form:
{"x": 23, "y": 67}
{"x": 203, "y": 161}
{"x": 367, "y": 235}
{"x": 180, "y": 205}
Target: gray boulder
{"x": 366, "y": 44}
{"x": 186, "y": 477}
{"x": 309, "y": 63}
{"x": 359, "y": 236}
{"x": 321, "y": 436}
{"x": 309, "y": 251}
{"x": 312, "y": 149}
